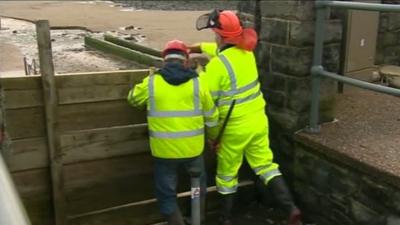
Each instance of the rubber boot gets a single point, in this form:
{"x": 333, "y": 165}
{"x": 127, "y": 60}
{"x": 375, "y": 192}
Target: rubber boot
{"x": 283, "y": 198}
{"x": 226, "y": 209}
{"x": 175, "y": 218}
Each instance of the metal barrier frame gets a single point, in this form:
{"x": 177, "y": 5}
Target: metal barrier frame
{"x": 317, "y": 71}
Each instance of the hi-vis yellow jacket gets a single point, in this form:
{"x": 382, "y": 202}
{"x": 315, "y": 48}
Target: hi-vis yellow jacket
{"x": 232, "y": 74}
{"x": 176, "y": 115}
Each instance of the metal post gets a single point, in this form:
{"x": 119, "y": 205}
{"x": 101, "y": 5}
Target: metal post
{"x": 26, "y": 66}
{"x": 195, "y": 197}
{"x": 317, "y": 62}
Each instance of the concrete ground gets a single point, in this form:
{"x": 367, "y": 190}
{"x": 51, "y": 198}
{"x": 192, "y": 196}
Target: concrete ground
{"x": 156, "y": 25}
{"x": 366, "y": 134}
{"x": 149, "y": 27}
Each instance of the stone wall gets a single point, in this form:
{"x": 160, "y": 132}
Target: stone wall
{"x": 331, "y": 193}
{"x": 284, "y": 57}
{"x": 388, "y": 43}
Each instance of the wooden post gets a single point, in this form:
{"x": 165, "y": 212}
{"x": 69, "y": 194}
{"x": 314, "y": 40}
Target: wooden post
{"x": 50, "y": 103}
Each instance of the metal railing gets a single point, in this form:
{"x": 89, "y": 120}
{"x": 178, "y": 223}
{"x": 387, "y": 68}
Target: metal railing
{"x": 318, "y": 71}
{"x": 12, "y": 211}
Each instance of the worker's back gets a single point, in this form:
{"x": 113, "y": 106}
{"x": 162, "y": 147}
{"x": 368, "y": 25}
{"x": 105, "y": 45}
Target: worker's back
{"x": 178, "y": 106}
{"x": 232, "y": 74}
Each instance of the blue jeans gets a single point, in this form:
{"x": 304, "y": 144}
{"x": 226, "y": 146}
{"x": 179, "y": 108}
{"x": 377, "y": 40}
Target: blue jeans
{"x": 166, "y": 177}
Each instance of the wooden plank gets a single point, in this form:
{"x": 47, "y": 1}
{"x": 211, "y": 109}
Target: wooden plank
{"x": 21, "y": 83}
{"x": 117, "y": 180}
{"x": 133, "y": 46}
{"x": 93, "y": 93}
{"x": 27, "y": 154}
{"x": 14, "y": 99}
{"x": 100, "y": 78}
{"x": 99, "y": 114}
{"x": 34, "y": 189}
{"x": 123, "y": 52}
{"x": 104, "y": 143}
{"x": 97, "y": 87}
{"x": 50, "y": 101}
{"x": 25, "y": 123}
{"x": 147, "y": 212}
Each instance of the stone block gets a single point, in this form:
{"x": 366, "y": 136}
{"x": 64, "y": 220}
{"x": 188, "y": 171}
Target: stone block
{"x": 389, "y": 22}
{"x": 274, "y": 31}
{"x": 393, "y": 220}
{"x": 248, "y": 6}
{"x": 275, "y": 81}
{"x": 331, "y": 57}
{"x": 286, "y": 9}
{"x": 388, "y": 39}
{"x": 340, "y": 217}
{"x": 299, "y": 94}
{"x": 375, "y": 194}
{"x": 362, "y": 213}
{"x": 303, "y": 33}
{"x": 285, "y": 119}
{"x": 276, "y": 98}
{"x": 263, "y": 56}
{"x": 291, "y": 60}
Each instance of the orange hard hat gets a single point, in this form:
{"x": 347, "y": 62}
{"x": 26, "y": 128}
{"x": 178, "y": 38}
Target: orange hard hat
{"x": 175, "y": 46}
{"x": 227, "y": 24}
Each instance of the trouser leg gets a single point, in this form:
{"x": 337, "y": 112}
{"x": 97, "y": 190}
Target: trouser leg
{"x": 165, "y": 175}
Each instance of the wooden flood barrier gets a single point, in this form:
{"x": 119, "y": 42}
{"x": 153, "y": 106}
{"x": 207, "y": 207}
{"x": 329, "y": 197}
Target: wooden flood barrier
{"x": 106, "y": 164}
{"x": 105, "y": 152}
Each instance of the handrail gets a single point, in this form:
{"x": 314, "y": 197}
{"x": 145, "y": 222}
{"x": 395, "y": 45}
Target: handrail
{"x": 12, "y": 211}
{"x": 358, "y": 6}
{"x": 317, "y": 71}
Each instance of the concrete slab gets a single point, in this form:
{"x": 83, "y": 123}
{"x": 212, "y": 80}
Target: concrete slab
{"x": 365, "y": 136}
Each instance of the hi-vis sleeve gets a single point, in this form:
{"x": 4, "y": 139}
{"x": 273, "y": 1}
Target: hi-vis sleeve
{"x": 139, "y": 95}
{"x": 209, "y": 48}
{"x": 210, "y": 112}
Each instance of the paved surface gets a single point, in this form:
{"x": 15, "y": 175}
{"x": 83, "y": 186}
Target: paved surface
{"x": 366, "y": 135}
{"x": 157, "y": 26}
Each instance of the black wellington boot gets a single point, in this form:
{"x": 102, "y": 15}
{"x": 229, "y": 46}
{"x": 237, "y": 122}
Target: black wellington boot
{"x": 226, "y": 209}
{"x": 175, "y": 218}
{"x": 283, "y": 198}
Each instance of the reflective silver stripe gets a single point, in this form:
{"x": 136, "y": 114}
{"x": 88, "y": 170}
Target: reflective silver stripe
{"x": 210, "y": 112}
{"x": 227, "y": 190}
{"x": 267, "y": 176}
{"x": 179, "y": 134}
{"x": 152, "y": 105}
{"x": 258, "y": 169}
{"x": 230, "y": 72}
{"x": 174, "y": 113}
{"x": 238, "y": 91}
{"x": 184, "y": 113}
{"x": 226, "y": 178}
{"x": 241, "y": 100}
{"x": 196, "y": 92}
{"x": 212, "y": 124}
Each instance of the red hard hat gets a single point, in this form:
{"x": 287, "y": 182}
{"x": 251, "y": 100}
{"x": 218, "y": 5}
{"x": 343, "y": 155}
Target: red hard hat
{"x": 176, "y": 45}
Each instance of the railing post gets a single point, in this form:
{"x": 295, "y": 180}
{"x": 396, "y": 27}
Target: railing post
{"x": 317, "y": 62}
